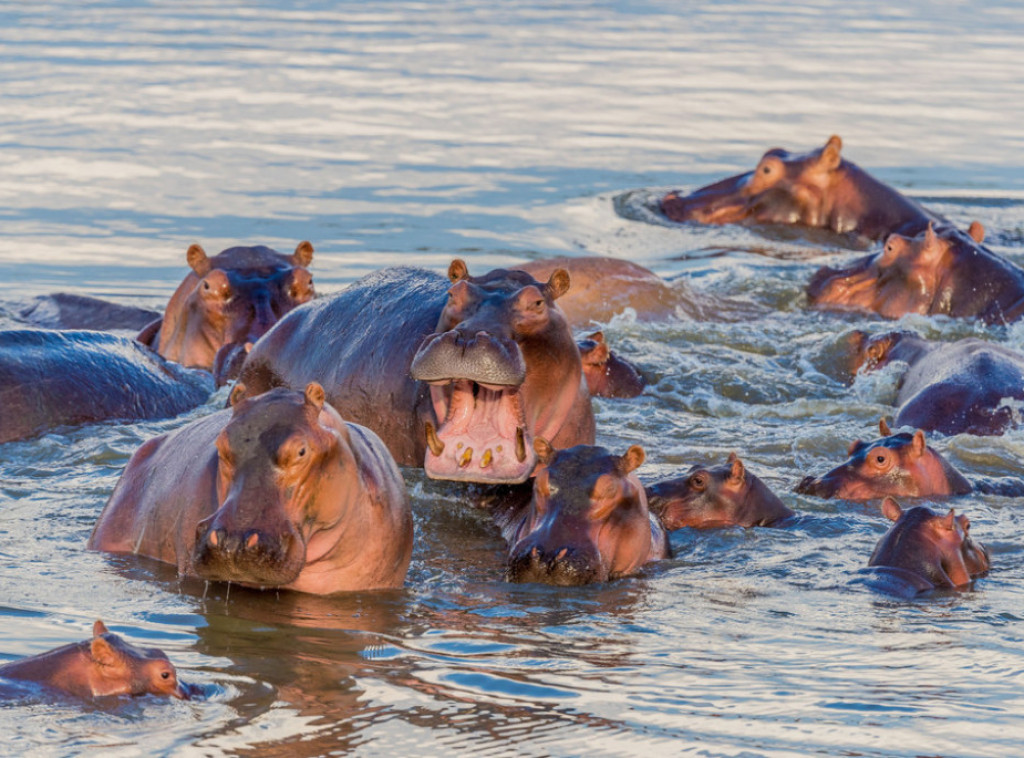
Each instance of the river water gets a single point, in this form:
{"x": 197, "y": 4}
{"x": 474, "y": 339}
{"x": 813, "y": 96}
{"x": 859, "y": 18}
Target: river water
{"x": 406, "y": 132}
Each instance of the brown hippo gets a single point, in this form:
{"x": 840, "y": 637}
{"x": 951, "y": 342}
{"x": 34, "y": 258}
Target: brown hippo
{"x": 48, "y": 379}
{"x": 607, "y": 374}
{"x": 726, "y": 495}
{"x": 817, "y": 189}
{"x": 926, "y": 551}
{"x": 227, "y": 302}
{"x": 587, "y": 520}
{"x": 104, "y": 665}
{"x": 902, "y": 465}
{"x": 458, "y": 375}
{"x": 962, "y": 387}
{"x": 938, "y": 272}
{"x": 277, "y": 491}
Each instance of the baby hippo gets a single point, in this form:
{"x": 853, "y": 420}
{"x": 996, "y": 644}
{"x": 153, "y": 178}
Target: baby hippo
{"x": 725, "y": 495}
{"x": 587, "y": 520}
{"x": 901, "y": 465}
{"x": 924, "y": 551}
{"x": 607, "y": 374}
{"x": 104, "y": 665}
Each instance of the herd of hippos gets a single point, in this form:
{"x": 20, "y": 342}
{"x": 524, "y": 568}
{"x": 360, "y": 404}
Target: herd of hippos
{"x": 478, "y": 379}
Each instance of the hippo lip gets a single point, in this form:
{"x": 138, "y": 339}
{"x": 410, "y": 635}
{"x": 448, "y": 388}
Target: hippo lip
{"x": 483, "y": 436}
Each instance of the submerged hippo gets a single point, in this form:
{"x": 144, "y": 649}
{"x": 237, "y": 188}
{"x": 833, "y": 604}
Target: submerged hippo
{"x": 65, "y": 310}
{"x": 226, "y": 303}
{"x": 587, "y": 520}
{"x": 817, "y": 189}
{"x": 606, "y": 373}
{"x": 725, "y": 495}
{"x": 901, "y": 465}
{"x": 458, "y": 375}
{"x": 937, "y": 272}
{"x": 104, "y": 665}
{"x": 49, "y": 379}
{"x": 277, "y": 491}
{"x": 962, "y": 387}
{"x": 924, "y": 551}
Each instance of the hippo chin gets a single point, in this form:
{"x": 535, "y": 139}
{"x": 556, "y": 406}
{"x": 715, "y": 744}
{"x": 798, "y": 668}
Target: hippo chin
{"x": 818, "y": 189}
{"x": 940, "y": 271}
{"x": 925, "y": 551}
{"x": 227, "y": 301}
{"x": 716, "y": 496}
{"x": 277, "y": 491}
{"x": 103, "y": 666}
{"x": 586, "y": 521}
{"x": 457, "y": 376}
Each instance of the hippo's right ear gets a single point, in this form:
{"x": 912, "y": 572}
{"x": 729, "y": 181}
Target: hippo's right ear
{"x": 853, "y": 446}
{"x": 883, "y": 427}
{"x": 237, "y": 394}
{"x": 558, "y": 284}
{"x": 198, "y": 260}
{"x": 598, "y": 337}
{"x": 103, "y": 653}
{"x": 303, "y": 254}
{"x": 891, "y": 509}
{"x": 458, "y": 271}
{"x": 315, "y": 395}
{"x": 830, "y": 154}
{"x": 99, "y": 628}
{"x": 977, "y": 232}
{"x": 632, "y": 459}
{"x": 545, "y": 453}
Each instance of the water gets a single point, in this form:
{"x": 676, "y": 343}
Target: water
{"x": 416, "y": 132}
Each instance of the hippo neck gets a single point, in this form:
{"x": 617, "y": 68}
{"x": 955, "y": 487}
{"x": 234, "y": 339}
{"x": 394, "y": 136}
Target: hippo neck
{"x": 882, "y": 209}
{"x": 65, "y": 667}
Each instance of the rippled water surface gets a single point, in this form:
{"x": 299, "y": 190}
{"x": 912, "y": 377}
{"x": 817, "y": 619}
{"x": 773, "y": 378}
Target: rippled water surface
{"x": 416, "y": 132}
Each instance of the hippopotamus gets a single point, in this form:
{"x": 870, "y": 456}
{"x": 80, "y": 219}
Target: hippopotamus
{"x": 457, "y": 375}
{"x": 586, "y": 521}
{"x": 275, "y": 492}
{"x": 962, "y": 387}
{"x": 105, "y": 665}
{"x": 819, "y": 189}
{"x": 66, "y": 310}
{"x": 901, "y": 465}
{"x": 226, "y": 303}
{"x": 708, "y": 497}
{"x": 607, "y": 374}
{"x": 49, "y": 379}
{"x": 940, "y": 271}
{"x": 924, "y": 551}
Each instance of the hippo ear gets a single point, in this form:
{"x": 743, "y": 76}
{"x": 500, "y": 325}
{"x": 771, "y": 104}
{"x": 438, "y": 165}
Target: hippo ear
{"x": 237, "y": 394}
{"x": 544, "y": 450}
{"x": 918, "y": 444}
{"x": 883, "y": 427}
{"x": 99, "y": 628}
{"x": 977, "y": 232}
{"x": 830, "y": 154}
{"x": 891, "y": 509}
{"x": 949, "y": 520}
{"x": 598, "y": 337}
{"x": 102, "y": 652}
{"x": 315, "y": 395}
{"x": 558, "y": 284}
{"x": 738, "y": 473}
{"x": 197, "y": 260}
{"x": 632, "y": 459}
{"x": 457, "y": 271}
{"x": 853, "y": 446}
{"x": 303, "y": 254}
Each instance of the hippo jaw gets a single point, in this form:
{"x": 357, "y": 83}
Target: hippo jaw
{"x": 568, "y": 567}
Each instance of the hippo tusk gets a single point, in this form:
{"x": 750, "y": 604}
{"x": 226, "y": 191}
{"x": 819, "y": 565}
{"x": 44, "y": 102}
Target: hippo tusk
{"x": 467, "y": 456}
{"x": 520, "y": 444}
{"x": 488, "y": 456}
{"x": 435, "y": 445}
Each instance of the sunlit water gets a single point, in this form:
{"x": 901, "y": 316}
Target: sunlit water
{"x": 416, "y": 132}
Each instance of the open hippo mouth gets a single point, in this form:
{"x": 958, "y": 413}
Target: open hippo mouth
{"x": 475, "y": 384}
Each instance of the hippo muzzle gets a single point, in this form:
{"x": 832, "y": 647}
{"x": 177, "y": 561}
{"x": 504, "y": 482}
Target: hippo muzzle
{"x": 568, "y": 566}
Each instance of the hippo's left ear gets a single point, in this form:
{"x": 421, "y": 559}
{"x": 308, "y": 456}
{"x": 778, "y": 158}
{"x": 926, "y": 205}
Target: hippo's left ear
{"x": 558, "y": 284}
{"x": 103, "y": 653}
{"x": 918, "y": 444}
{"x": 315, "y": 395}
{"x": 830, "y": 154}
{"x": 545, "y": 453}
{"x": 237, "y": 394}
{"x": 632, "y": 459}
{"x": 99, "y": 628}
{"x": 303, "y": 254}
{"x": 458, "y": 271}
{"x": 949, "y": 520}
{"x": 738, "y": 472}
{"x": 883, "y": 427}
{"x": 197, "y": 259}
{"x": 891, "y": 509}
{"x": 977, "y": 232}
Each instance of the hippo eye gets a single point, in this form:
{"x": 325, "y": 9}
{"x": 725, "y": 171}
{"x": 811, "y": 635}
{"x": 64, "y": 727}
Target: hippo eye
{"x": 302, "y": 451}
{"x": 165, "y": 674}
{"x": 766, "y": 169}
{"x": 206, "y": 286}
{"x": 698, "y": 481}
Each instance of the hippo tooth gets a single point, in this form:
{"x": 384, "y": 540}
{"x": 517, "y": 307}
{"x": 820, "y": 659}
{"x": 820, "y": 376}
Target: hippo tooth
{"x": 467, "y": 456}
{"x": 520, "y": 444}
{"x": 488, "y": 456}
{"x": 435, "y": 445}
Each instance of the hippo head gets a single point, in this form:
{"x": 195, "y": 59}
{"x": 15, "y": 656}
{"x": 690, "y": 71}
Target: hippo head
{"x": 503, "y": 369}
{"x": 902, "y": 465}
{"x": 909, "y": 275}
{"x": 229, "y": 301}
{"x": 608, "y": 375}
{"x": 785, "y": 188}
{"x": 118, "y": 668}
{"x": 937, "y": 547}
{"x": 724, "y": 495}
{"x": 588, "y": 520}
{"x": 278, "y": 463}
{"x": 875, "y": 351}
